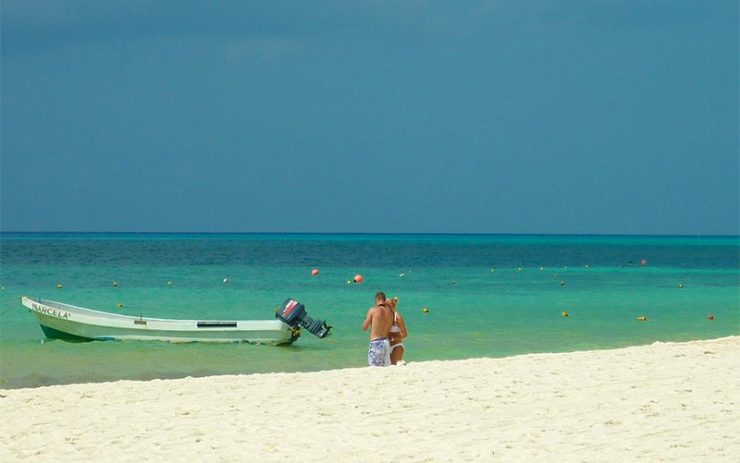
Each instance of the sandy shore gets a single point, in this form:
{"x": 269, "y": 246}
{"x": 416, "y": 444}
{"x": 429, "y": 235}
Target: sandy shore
{"x": 664, "y": 402}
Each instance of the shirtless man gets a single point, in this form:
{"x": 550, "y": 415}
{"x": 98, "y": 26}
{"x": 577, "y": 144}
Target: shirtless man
{"x": 379, "y": 319}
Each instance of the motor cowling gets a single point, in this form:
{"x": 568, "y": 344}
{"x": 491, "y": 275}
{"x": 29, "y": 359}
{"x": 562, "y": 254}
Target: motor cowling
{"x": 294, "y": 314}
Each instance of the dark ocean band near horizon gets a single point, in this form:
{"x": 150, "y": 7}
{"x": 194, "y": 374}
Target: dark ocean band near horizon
{"x": 484, "y": 295}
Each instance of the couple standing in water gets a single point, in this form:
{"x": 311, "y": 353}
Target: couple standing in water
{"x": 387, "y": 330}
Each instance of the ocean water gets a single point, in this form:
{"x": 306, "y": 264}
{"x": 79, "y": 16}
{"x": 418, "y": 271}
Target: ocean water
{"x": 486, "y": 295}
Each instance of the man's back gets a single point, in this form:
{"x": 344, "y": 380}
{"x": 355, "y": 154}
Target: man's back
{"x": 380, "y": 319}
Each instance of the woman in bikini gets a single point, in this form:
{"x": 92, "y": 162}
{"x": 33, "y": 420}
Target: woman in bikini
{"x": 397, "y": 333}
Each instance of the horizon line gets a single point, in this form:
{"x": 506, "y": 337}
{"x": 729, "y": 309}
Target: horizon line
{"x": 698, "y": 235}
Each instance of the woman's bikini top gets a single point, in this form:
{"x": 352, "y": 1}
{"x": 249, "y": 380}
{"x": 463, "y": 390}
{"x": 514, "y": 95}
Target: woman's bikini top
{"x": 395, "y": 328}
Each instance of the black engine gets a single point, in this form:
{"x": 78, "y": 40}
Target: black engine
{"x": 293, "y": 313}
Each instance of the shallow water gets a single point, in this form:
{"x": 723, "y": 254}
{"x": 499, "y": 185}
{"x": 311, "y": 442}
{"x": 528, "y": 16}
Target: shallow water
{"x": 487, "y": 295}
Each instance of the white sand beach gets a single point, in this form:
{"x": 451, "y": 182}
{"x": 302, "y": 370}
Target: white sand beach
{"x": 663, "y": 402}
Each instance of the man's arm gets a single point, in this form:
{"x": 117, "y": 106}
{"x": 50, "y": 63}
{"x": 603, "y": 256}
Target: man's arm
{"x": 368, "y": 319}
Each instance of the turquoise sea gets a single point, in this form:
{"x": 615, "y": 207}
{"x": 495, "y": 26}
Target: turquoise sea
{"x": 487, "y": 296}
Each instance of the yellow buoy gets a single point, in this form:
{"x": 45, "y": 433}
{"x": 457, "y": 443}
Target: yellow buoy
{"x": 120, "y": 306}
{"x": 565, "y": 313}
{"x": 59, "y": 286}
{"x": 680, "y": 285}
{"x": 115, "y": 283}
{"x": 425, "y": 310}
{"x": 642, "y": 318}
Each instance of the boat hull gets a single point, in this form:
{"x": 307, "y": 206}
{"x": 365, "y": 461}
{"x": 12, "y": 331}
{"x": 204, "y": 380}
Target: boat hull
{"x": 65, "y": 321}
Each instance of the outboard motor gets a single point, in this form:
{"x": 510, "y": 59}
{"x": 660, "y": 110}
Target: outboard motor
{"x": 293, "y": 313}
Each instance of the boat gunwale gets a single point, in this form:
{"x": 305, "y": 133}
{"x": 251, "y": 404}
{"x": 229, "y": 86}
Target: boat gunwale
{"x": 113, "y": 316}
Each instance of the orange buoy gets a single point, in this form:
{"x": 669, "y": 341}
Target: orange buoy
{"x": 358, "y": 278}
{"x": 315, "y": 272}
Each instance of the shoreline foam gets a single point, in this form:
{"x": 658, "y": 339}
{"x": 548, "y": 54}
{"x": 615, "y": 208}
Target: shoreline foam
{"x": 665, "y": 401}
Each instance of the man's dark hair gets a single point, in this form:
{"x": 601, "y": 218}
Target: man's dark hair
{"x": 380, "y": 296}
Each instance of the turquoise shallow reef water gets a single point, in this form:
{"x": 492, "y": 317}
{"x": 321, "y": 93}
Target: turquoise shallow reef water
{"x": 486, "y": 295}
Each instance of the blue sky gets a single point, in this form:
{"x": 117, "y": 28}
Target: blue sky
{"x": 614, "y": 117}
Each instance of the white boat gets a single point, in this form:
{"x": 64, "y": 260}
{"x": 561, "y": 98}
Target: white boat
{"x": 65, "y": 321}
